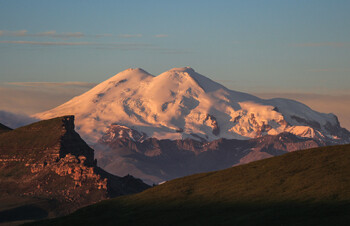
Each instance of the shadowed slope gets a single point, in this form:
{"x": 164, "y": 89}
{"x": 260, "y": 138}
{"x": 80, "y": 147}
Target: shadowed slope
{"x": 4, "y": 128}
{"x": 310, "y": 187}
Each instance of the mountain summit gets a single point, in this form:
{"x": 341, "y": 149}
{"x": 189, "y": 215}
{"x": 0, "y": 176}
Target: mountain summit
{"x": 180, "y": 122}
{"x": 181, "y": 103}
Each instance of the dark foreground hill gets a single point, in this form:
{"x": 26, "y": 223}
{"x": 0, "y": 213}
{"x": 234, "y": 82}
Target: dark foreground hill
{"x": 47, "y": 170}
{"x": 309, "y": 187}
{"x": 4, "y": 128}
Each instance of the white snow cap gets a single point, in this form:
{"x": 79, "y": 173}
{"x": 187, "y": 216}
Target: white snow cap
{"x": 181, "y": 103}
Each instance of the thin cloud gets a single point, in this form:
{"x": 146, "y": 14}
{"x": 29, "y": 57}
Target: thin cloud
{"x": 30, "y": 100}
{"x": 53, "y": 84}
{"x": 174, "y": 51}
{"x": 49, "y": 43}
{"x": 51, "y": 34}
{"x": 13, "y": 33}
{"x": 161, "y": 36}
{"x": 130, "y": 35}
{"x": 115, "y": 45}
{"x": 15, "y": 120}
{"x": 329, "y": 70}
{"x": 123, "y": 46}
{"x": 322, "y": 44}
{"x": 54, "y": 34}
{"x": 102, "y": 35}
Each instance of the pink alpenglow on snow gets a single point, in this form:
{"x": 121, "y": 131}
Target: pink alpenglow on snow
{"x": 181, "y": 103}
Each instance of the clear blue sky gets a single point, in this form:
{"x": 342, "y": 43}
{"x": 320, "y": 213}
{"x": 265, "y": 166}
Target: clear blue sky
{"x": 296, "y": 46}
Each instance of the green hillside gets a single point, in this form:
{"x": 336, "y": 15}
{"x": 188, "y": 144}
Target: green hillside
{"x": 309, "y": 187}
{"x": 41, "y": 134}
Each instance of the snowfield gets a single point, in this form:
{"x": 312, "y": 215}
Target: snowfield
{"x": 180, "y": 104}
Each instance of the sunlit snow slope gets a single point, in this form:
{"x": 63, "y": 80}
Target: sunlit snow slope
{"x": 181, "y": 103}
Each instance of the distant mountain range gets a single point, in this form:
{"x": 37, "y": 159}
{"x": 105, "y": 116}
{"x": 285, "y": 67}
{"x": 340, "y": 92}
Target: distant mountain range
{"x": 181, "y": 122}
{"x": 47, "y": 170}
{"x": 309, "y": 187}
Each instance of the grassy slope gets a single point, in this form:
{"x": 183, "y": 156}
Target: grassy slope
{"x": 310, "y": 187}
{"x": 27, "y": 140}
{"x": 38, "y": 135}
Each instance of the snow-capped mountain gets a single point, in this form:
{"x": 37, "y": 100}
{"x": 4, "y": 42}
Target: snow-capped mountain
{"x": 181, "y": 103}
{"x": 179, "y": 123}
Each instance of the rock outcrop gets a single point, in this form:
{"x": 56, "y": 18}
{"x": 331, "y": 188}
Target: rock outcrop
{"x": 49, "y": 160}
{"x": 156, "y": 160}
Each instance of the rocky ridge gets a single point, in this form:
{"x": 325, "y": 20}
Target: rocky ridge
{"x": 156, "y": 160}
{"x": 49, "y": 160}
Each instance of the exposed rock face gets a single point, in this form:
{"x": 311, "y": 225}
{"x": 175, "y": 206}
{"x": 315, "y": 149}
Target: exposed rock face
{"x": 73, "y": 167}
{"x": 337, "y": 131}
{"x": 156, "y": 160}
{"x": 49, "y": 160}
{"x": 213, "y": 123}
{"x": 118, "y": 131}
